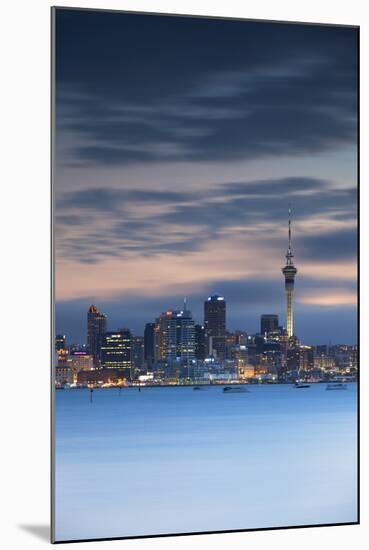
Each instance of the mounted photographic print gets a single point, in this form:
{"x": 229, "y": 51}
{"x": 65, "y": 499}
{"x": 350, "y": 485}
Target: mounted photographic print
{"x": 205, "y": 351}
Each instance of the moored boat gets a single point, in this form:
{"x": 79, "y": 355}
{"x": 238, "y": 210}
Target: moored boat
{"x": 336, "y": 386}
{"x": 299, "y": 385}
{"x": 235, "y": 389}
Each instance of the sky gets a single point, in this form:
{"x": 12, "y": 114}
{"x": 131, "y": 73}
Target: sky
{"x": 181, "y": 143}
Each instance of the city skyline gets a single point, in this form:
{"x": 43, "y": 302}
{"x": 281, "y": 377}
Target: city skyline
{"x": 181, "y": 187}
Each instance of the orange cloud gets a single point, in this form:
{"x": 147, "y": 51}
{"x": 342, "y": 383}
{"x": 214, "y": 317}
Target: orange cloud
{"x": 329, "y": 298}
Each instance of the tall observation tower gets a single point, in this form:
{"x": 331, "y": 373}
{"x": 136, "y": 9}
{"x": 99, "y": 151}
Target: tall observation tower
{"x": 289, "y": 271}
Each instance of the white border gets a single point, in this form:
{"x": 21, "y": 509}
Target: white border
{"x": 25, "y": 302}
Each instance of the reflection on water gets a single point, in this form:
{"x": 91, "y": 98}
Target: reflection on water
{"x": 172, "y": 460}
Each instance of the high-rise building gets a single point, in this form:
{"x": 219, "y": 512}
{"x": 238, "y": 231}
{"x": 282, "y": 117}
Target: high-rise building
{"x": 200, "y": 342}
{"x": 60, "y": 342}
{"x": 268, "y": 323}
{"x": 215, "y": 325}
{"x": 116, "y": 351}
{"x": 138, "y": 352}
{"x": 289, "y": 271}
{"x": 96, "y": 328}
{"x": 175, "y": 336}
{"x": 149, "y": 344}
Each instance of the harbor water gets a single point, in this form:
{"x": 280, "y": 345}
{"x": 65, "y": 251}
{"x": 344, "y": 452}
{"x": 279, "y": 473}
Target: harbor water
{"x": 174, "y": 460}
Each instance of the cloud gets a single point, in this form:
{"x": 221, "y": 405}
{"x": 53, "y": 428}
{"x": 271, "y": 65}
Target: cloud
{"x": 100, "y": 222}
{"x": 139, "y": 89}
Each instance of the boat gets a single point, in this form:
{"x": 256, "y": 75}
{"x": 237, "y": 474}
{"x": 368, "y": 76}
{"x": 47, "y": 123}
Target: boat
{"x": 196, "y": 388}
{"x": 336, "y": 386}
{"x": 235, "y": 389}
{"x": 299, "y": 385}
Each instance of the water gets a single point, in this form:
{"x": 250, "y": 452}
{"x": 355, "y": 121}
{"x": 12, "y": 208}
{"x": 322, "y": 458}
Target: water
{"x": 174, "y": 460}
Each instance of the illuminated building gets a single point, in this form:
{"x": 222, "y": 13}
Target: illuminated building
{"x": 149, "y": 344}
{"x": 289, "y": 271}
{"x": 63, "y": 375}
{"x": 241, "y": 358}
{"x": 100, "y": 377}
{"x": 268, "y": 324}
{"x": 96, "y": 328}
{"x": 241, "y": 337}
{"x": 80, "y": 360}
{"x": 200, "y": 342}
{"x": 215, "y": 325}
{"x": 324, "y": 362}
{"x": 175, "y": 336}
{"x": 62, "y": 356}
{"x": 77, "y": 361}
{"x": 116, "y": 351}
{"x": 60, "y": 342}
{"x": 138, "y": 352}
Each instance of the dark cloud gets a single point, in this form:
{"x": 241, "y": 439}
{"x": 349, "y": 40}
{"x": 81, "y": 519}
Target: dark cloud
{"x": 138, "y": 88}
{"x": 110, "y": 199}
{"x": 329, "y": 246}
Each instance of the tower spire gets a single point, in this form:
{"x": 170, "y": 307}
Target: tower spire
{"x": 289, "y": 271}
{"x": 289, "y": 255}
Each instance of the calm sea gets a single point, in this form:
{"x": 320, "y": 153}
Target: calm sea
{"x": 174, "y": 460}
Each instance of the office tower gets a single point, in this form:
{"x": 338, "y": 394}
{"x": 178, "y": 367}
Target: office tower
{"x": 96, "y": 328}
{"x": 116, "y": 351}
{"x": 200, "y": 342}
{"x": 149, "y": 344}
{"x": 60, "y": 342}
{"x": 175, "y": 336}
{"x": 268, "y": 323}
{"x": 215, "y": 325}
{"x": 289, "y": 271}
{"x": 138, "y": 352}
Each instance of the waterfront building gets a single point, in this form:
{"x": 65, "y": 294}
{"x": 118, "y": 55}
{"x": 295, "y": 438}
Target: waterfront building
{"x": 289, "y": 271}
{"x": 99, "y": 377}
{"x": 138, "y": 353}
{"x": 63, "y": 375}
{"x": 268, "y": 324}
{"x": 324, "y": 362}
{"x": 96, "y": 328}
{"x": 77, "y": 361}
{"x": 149, "y": 344}
{"x": 200, "y": 342}
{"x": 215, "y": 325}
{"x": 175, "y": 336}
{"x": 241, "y": 357}
{"x": 116, "y": 351}
{"x": 80, "y": 360}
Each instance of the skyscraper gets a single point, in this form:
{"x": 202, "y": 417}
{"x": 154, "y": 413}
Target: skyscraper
{"x": 116, "y": 351}
{"x": 200, "y": 342}
{"x": 149, "y": 343}
{"x": 215, "y": 324}
{"x": 96, "y": 328}
{"x": 175, "y": 336}
{"x": 289, "y": 271}
{"x": 268, "y": 323}
{"x": 137, "y": 352}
